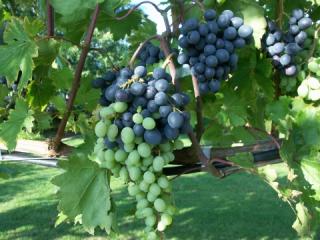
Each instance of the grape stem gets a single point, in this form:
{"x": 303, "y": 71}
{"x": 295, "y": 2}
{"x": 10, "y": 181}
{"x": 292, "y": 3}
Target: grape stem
{"x": 199, "y": 107}
{"x": 50, "y": 19}
{"x": 315, "y": 41}
{"x": 273, "y": 139}
{"x": 200, "y": 4}
{"x": 162, "y": 12}
{"x": 76, "y": 80}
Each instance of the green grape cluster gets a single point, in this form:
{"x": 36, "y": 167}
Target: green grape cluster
{"x": 310, "y": 85}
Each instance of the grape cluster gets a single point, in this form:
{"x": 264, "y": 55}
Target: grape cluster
{"x": 282, "y": 47}
{"x": 150, "y": 54}
{"x": 137, "y": 134}
{"x": 209, "y": 47}
{"x": 310, "y": 86}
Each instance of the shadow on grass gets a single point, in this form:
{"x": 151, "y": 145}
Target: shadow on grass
{"x": 238, "y": 207}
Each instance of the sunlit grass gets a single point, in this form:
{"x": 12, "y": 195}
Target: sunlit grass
{"x": 238, "y": 207}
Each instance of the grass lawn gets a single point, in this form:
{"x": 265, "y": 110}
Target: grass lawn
{"x": 238, "y": 207}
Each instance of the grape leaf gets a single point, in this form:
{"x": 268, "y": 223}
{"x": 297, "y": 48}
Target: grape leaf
{"x": 61, "y": 78}
{"x": 18, "y": 118}
{"x": 74, "y": 9}
{"x": 84, "y": 193}
{"x": 43, "y": 120}
{"x": 40, "y": 92}
{"x": 17, "y": 54}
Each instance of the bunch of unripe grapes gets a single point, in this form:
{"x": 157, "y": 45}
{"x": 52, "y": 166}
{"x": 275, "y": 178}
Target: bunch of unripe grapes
{"x": 310, "y": 86}
{"x": 283, "y": 47}
{"x": 209, "y": 47}
{"x": 137, "y": 134}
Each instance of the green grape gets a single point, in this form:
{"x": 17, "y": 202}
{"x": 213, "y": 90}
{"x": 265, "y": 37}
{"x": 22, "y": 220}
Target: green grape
{"x": 109, "y": 155}
{"x": 100, "y": 140}
{"x": 151, "y": 220}
{"x": 143, "y": 203}
{"x": 143, "y": 186}
{"x": 159, "y": 205}
{"x": 137, "y": 118}
{"x": 313, "y": 83}
{"x": 313, "y": 67}
{"x": 124, "y": 174}
{"x": 116, "y": 170}
{"x": 166, "y": 219}
{"x": 133, "y": 190}
{"x": 158, "y": 164}
{"x": 120, "y": 156}
{"x": 106, "y": 112}
{"x": 138, "y": 140}
{"x": 147, "y": 161}
{"x": 127, "y": 135}
{"x": 151, "y": 197}
{"x": 144, "y": 150}
{"x": 171, "y": 210}
{"x": 163, "y": 182}
{"x": 134, "y": 173}
{"x": 178, "y": 144}
{"x": 152, "y": 236}
{"x": 155, "y": 189}
{"x": 112, "y": 132}
{"x": 161, "y": 226}
{"x": 100, "y": 129}
{"x": 165, "y": 147}
{"x": 129, "y": 147}
{"x": 120, "y": 107}
{"x": 156, "y": 115}
{"x": 148, "y": 123}
{"x": 314, "y": 95}
{"x": 149, "y": 177}
{"x": 147, "y": 212}
{"x": 140, "y": 196}
{"x": 133, "y": 158}
{"x": 303, "y": 90}
{"x": 171, "y": 156}
{"x": 301, "y": 75}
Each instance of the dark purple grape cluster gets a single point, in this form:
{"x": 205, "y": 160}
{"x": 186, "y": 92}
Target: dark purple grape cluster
{"x": 282, "y": 47}
{"x": 153, "y": 97}
{"x": 209, "y": 47}
{"x": 150, "y": 54}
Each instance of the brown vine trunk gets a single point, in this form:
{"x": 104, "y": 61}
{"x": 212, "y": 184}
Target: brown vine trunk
{"x": 76, "y": 81}
{"x": 50, "y": 20}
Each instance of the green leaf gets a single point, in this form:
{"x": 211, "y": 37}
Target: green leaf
{"x": 61, "y": 78}
{"x": 48, "y": 50}
{"x": 18, "y": 118}
{"x": 60, "y": 103}
{"x": 84, "y": 193}
{"x": 74, "y": 9}
{"x": 40, "y": 92}
{"x": 4, "y": 91}
{"x": 43, "y": 120}
{"x": 302, "y": 223}
{"x": 87, "y": 96}
{"x": 122, "y": 28}
{"x": 17, "y": 54}
{"x": 244, "y": 160}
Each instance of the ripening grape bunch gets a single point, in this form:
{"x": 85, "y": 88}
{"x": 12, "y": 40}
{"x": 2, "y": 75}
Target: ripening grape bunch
{"x": 137, "y": 133}
{"x": 283, "y": 47}
{"x": 209, "y": 47}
